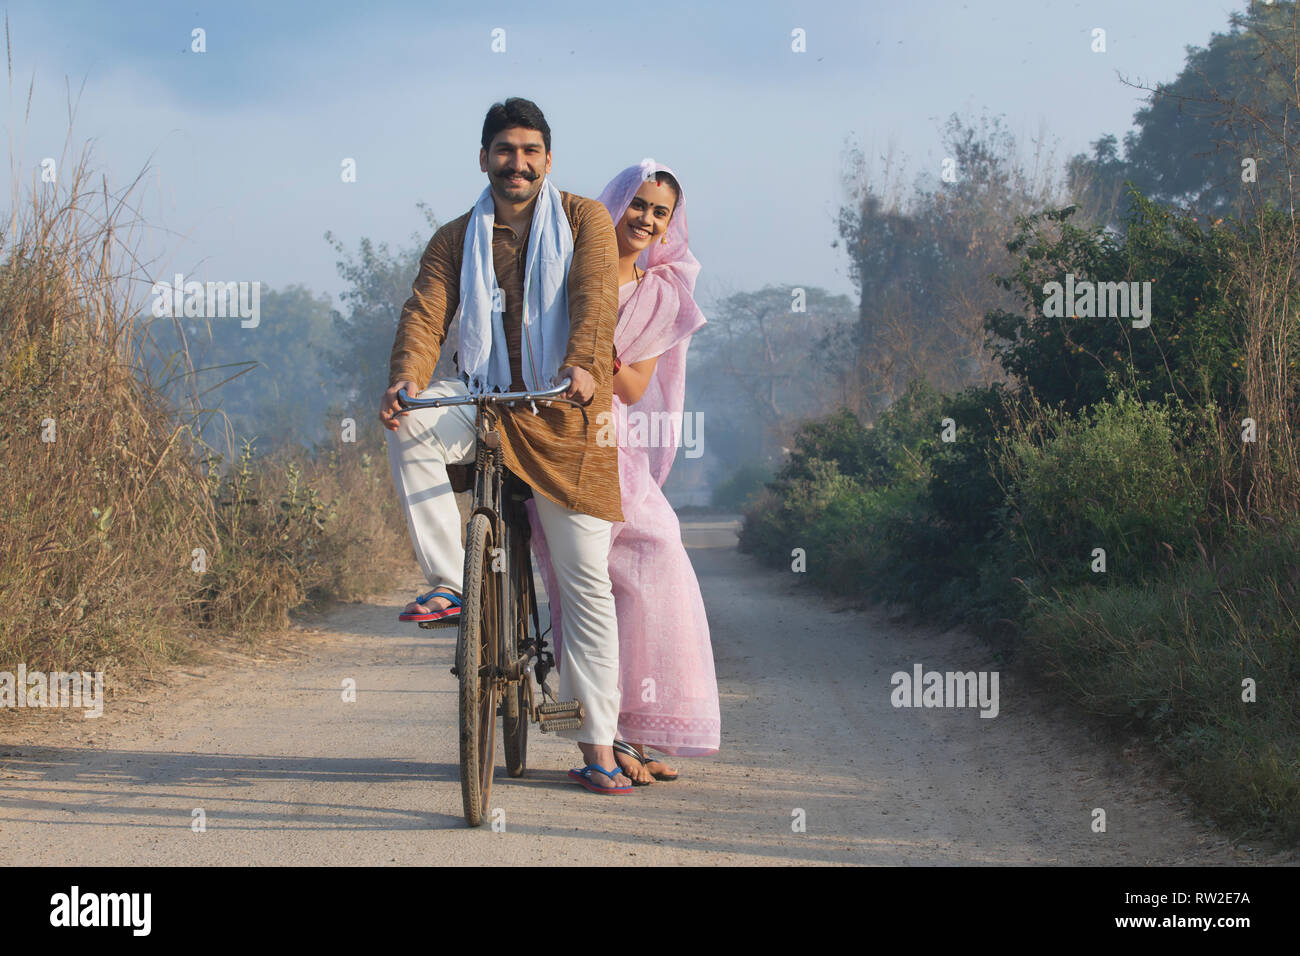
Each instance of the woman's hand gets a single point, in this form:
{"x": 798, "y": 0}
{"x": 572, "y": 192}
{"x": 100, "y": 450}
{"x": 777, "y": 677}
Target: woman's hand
{"x": 632, "y": 380}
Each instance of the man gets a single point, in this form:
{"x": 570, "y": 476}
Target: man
{"x": 523, "y": 236}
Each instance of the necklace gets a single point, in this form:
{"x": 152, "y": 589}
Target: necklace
{"x": 635, "y": 292}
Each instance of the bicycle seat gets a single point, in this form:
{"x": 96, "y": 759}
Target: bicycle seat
{"x": 462, "y": 480}
{"x": 461, "y": 477}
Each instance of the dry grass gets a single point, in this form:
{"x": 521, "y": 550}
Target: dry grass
{"x": 100, "y": 499}
{"x": 108, "y": 504}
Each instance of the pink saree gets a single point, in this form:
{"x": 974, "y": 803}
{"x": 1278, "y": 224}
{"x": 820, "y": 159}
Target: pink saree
{"x": 669, "y": 694}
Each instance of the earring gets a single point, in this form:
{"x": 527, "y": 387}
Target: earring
{"x": 664, "y": 240}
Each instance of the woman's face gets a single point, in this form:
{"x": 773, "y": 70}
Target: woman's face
{"x": 647, "y": 217}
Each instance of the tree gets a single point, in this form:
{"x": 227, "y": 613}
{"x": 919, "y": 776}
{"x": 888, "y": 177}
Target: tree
{"x": 1234, "y": 100}
{"x": 272, "y": 381}
{"x": 922, "y": 263}
{"x": 760, "y": 354}
{"x": 380, "y": 283}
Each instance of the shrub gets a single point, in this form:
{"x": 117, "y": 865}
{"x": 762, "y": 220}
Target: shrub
{"x": 1110, "y": 478}
{"x": 790, "y": 504}
{"x": 965, "y": 483}
{"x": 1169, "y": 656}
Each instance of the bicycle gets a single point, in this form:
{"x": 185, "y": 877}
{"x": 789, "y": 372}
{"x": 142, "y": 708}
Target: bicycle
{"x": 500, "y": 647}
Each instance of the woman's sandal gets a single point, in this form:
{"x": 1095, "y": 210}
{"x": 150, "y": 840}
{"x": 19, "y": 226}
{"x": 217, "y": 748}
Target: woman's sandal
{"x": 449, "y": 614}
{"x": 625, "y": 748}
{"x": 621, "y": 747}
{"x": 583, "y": 777}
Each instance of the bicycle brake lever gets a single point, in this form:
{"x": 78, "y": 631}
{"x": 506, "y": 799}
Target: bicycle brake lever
{"x": 574, "y": 402}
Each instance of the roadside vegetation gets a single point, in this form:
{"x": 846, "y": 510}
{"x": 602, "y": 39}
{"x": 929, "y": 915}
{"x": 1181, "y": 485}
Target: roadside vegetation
{"x": 126, "y": 539}
{"x": 1114, "y": 506}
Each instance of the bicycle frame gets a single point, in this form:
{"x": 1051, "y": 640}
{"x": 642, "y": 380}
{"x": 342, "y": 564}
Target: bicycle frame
{"x": 489, "y": 498}
{"x": 496, "y": 652}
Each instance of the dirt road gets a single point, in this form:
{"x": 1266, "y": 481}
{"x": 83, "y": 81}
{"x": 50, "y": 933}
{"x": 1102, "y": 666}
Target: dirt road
{"x": 284, "y": 771}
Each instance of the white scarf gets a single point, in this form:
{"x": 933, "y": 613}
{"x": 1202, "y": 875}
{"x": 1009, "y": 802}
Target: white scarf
{"x": 484, "y": 358}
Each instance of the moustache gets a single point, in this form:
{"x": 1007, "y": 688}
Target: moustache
{"x": 506, "y": 174}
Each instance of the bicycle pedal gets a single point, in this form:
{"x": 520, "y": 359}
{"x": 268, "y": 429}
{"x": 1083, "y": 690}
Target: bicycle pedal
{"x": 562, "y": 708}
{"x": 566, "y": 723}
{"x": 434, "y": 625}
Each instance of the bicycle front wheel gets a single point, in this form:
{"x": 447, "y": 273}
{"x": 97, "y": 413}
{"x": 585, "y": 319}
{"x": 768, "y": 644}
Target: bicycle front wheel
{"x": 477, "y": 660}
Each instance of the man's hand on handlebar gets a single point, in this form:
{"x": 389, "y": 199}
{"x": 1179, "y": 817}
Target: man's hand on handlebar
{"x": 581, "y": 385}
{"x": 389, "y": 410}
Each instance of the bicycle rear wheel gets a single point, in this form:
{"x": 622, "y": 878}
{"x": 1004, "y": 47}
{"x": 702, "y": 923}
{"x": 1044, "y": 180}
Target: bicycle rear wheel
{"x": 516, "y": 710}
{"x": 477, "y": 659}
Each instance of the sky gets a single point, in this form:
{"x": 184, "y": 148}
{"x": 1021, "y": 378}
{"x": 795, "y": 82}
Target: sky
{"x": 242, "y": 145}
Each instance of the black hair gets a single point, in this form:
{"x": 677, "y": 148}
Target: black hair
{"x": 662, "y": 177}
{"x": 515, "y": 112}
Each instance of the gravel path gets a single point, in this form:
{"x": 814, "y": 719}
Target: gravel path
{"x": 286, "y": 772}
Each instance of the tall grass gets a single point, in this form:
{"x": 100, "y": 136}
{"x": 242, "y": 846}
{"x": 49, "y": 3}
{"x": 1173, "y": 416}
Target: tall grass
{"x": 101, "y": 502}
{"x": 120, "y": 534}
{"x": 1205, "y": 661}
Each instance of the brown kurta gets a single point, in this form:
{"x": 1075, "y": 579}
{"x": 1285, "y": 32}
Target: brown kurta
{"x": 551, "y": 450}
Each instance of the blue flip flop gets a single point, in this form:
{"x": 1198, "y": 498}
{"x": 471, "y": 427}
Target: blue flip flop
{"x": 452, "y": 611}
{"x": 583, "y": 777}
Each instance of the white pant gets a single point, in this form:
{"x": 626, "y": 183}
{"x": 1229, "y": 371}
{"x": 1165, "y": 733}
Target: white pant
{"x": 419, "y": 450}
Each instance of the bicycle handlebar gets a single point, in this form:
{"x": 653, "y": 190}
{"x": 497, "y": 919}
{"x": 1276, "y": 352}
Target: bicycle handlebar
{"x": 406, "y": 401}
{"x": 493, "y": 398}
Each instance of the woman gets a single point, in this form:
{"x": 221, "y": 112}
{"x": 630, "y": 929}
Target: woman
{"x": 669, "y": 693}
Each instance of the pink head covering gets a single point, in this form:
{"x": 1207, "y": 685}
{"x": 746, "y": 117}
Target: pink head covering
{"x": 660, "y": 316}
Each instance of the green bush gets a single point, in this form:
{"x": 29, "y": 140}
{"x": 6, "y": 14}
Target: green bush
{"x": 788, "y": 504}
{"x": 965, "y": 484}
{"x": 1110, "y": 478}
{"x": 1170, "y": 656}
{"x": 877, "y": 454}
{"x": 1193, "y": 345}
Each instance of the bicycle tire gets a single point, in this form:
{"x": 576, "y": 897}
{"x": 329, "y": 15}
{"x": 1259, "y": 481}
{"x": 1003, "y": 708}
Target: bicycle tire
{"x": 477, "y": 647}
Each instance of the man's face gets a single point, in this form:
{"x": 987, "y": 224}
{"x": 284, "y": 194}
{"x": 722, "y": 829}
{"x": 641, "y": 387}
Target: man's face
{"x": 515, "y": 161}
